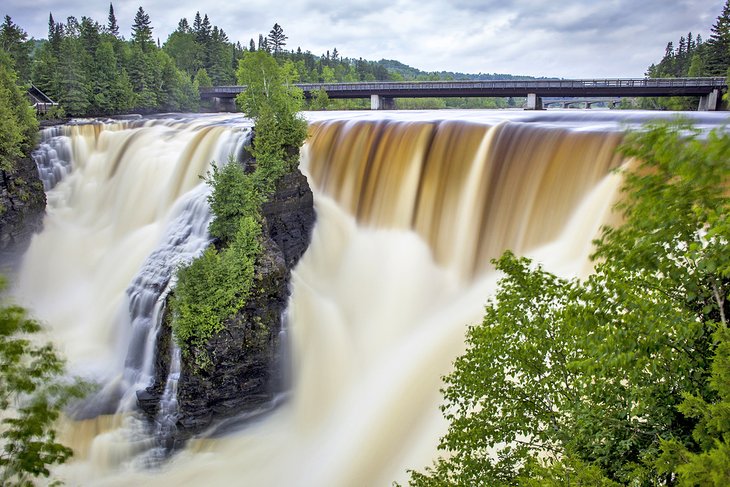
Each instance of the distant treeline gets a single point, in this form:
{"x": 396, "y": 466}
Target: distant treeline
{"x": 90, "y": 69}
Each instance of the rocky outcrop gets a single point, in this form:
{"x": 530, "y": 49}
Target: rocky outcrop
{"x": 246, "y": 372}
{"x": 22, "y": 206}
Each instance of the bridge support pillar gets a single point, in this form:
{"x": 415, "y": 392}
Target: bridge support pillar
{"x": 534, "y": 102}
{"x": 710, "y": 102}
{"x": 380, "y": 102}
{"x": 224, "y": 104}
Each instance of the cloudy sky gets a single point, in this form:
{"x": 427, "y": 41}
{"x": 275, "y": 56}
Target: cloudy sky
{"x": 565, "y": 38}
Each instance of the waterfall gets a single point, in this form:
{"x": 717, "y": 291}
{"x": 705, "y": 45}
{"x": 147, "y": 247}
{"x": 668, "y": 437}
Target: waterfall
{"x": 410, "y": 208}
{"x": 53, "y": 156}
{"x": 127, "y": 206}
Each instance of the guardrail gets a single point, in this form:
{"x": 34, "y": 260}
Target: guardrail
{"x": 384, "y": 87}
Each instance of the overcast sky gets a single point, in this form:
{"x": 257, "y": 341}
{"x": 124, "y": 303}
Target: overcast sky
{"x": 564, "y": 38}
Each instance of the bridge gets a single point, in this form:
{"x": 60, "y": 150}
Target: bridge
{"x": 581, "y": 102}
{"x": 382, "y": 94}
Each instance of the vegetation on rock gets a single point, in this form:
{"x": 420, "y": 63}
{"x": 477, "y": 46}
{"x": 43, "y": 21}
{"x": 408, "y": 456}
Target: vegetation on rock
{"x": 620, "y": 379}
{"x": 218, "y": 284}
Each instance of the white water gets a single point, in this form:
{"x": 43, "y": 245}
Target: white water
{"x": 374, "y": 321}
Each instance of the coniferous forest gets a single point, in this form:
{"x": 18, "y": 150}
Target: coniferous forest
{"x": 90, "y": 68}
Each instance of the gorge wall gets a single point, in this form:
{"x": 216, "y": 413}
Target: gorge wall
{"x": 247, "y": 368}
{"x": 22, "y": 205}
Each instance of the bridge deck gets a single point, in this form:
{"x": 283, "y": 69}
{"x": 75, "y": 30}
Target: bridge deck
{"x": 542, "y": 88}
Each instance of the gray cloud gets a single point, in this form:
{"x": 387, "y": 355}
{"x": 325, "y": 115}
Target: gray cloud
{"x": 567, "y": 38}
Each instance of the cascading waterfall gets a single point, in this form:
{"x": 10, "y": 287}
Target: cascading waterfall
{"x": 132, "y": 209}
{"x": 410, "y": 207}
{"x": 53, "y": 156}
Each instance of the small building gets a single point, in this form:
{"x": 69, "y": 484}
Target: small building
{"x": 40, "y": 101}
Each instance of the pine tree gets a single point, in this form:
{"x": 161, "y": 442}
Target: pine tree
{"x": 263, "y": 44}
{"x": 719, "y": 44}
{"x": 183, "y": 26}
{"x": 277, "y": 39}
{"x": 142, "y": 31}
{"x": 111, "y": 26}
{"x": 74, "y": 92}
{"x": 197, "y": 23}
{"x": 13, "y": 40}
{"x": 251, "y": 46}
{"x": 55, "y": 34}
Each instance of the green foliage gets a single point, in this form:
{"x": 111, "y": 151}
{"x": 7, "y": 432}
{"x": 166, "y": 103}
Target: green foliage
{"x": 142, "y": 30}
{"x": 202, "y": 80}
{"x": 233, "y": 198}
{"x": 89, "y": 70}
{"x": 214, "y": 287}
{"x": 14, "y": 41}
{"x": 18, "y": 125}
{"x": 32, "y": 396}
{"x": 621, "y": 378}
{"x": 320, "y": 100}
{"x": 273, "y": 102}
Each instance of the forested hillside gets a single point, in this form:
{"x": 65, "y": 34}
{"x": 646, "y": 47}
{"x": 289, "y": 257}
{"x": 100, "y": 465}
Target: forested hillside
{"x": 90, "y": 68}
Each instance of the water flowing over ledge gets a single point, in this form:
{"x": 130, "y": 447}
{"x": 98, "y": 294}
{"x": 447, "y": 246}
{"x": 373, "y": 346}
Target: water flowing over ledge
{"x": 410, "y": 209}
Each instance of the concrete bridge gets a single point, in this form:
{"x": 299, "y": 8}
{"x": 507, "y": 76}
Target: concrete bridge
{"x": 581, "y": 102}
{"x": 382, "y": 94}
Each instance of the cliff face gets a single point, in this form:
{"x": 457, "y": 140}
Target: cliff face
{"x": 22, "y": 206}
{"x": 246, "y": 373}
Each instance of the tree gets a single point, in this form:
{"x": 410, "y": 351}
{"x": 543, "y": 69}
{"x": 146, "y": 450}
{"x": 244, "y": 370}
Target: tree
{"x": 263, "y": 44}
{"x": 32, "y": 396}
{"x": 618, "y": 378}
{"x": 202, "y": 80}
{"x": 277, "y": 39}
{"x": 187, "y": 53}
{"x": 18, "y": 125}
{"x": 112, "y": 27}
{"x": 320, "y": 100}
{"x": 75, "y": 87}
{"x": 719, "y": 43}
{"x": 273, "y": 102}
{"x": 142, "y": 31}
{"x": 14, "y": 41}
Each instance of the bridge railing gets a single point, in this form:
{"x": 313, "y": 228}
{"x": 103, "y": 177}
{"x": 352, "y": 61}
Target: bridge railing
{"x": 717, "y": 82}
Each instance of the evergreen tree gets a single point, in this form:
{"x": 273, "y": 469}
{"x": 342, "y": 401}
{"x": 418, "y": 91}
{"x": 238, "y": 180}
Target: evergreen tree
{"x": 89, "y": 34}
{"x": 142, "y": 31}
{"x": 197, "y": 23}
{"x": 263, "y": 44}
{"x": 277, "y": 39}
{"x": 251, "y": 46}
{"x": 72, "y": 28}
{"x": 45, "y": 71}
{"x": 719, "y": 44}
{"x": 112, "y": 27}
{"x": 18, "y": 125}
{"x": 112, "y": 89}
{"x": 183, "y": 26}
{"x": 55, "y": 34}
{"x": 74, "y": 87}
{"x": 14, "y": 41}
{"x": 202, "y": 80}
